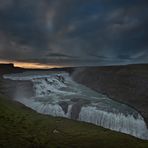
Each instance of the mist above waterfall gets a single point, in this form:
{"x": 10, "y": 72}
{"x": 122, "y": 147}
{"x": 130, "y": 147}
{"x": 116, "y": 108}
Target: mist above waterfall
{"x": 55, "y": 93}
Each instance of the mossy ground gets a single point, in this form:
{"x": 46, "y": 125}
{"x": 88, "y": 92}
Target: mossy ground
{"x": 21, "y": 127}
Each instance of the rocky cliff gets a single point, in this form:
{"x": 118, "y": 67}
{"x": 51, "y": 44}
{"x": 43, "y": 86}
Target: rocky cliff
{"x": 12, "y": 89}
{"x": 127, "y": 84}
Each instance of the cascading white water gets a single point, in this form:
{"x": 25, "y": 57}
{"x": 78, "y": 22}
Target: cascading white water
{"x": 118, "y": 122}
{"x": 58, "y": 95}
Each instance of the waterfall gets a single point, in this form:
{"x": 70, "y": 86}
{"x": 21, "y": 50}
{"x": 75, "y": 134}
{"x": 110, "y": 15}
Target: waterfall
{"x": 57, "y": 94}
{"x": 118, "y": 122}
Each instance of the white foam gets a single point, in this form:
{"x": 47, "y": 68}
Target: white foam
{"x": 118, "y": 122}
{"x": 102, "y": 111}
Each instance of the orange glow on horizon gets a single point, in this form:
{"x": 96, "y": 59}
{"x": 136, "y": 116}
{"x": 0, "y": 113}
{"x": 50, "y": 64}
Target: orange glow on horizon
{"x": 29, "y": 65}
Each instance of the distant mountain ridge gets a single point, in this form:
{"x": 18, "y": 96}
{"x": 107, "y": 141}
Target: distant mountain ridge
{"x": 8, "y": 68}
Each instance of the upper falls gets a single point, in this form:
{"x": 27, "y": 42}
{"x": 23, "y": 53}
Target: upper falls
{"x": 58, "y": 95}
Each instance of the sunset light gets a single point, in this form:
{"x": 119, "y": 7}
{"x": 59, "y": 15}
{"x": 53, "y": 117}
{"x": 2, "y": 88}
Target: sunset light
{"x": 29, "y": 65}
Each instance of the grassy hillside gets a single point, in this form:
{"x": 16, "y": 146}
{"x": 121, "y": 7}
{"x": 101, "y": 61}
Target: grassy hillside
{"x": 21, "y": 127}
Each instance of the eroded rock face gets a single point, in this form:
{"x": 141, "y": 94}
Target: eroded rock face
{"x": 16, "y": 89}
{"x": 126, "y": 84}
{"x": 64, "y": 106}
{"x": 75, "y": 110}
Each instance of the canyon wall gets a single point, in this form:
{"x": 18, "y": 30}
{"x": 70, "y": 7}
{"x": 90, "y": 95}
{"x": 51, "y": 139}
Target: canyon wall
{"x": 126, "y": 84}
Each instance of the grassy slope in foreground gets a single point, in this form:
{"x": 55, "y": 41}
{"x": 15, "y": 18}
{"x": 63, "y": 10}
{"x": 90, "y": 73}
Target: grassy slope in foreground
{"x": 22, "y": 127}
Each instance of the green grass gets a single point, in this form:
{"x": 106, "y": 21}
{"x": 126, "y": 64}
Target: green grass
{"x": 21, "y": 127}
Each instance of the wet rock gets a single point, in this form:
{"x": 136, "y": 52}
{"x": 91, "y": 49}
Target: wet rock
{"x": 75, "y": 99}
{"x": 61, "y": 79}
{"x": 75, "y": 110}
{"x": 64, "y": 106}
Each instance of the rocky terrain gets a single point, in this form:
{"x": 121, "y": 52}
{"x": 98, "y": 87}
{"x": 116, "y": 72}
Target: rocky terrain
{"x": 126, "y": 84}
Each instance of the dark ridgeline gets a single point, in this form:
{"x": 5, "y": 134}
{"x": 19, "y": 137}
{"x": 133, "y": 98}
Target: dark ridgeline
{"x": 6, "y": 66}
{"x": 9, "y": 68}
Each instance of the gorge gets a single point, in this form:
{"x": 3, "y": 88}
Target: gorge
{"x": 56, "y": 93}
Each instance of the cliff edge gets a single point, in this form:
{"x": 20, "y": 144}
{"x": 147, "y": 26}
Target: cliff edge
{"x": 127, "y": 84}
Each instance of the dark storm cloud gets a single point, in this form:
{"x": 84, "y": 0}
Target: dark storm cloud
{"x": 76, "y": 31}
{"x": 24, "y": 21}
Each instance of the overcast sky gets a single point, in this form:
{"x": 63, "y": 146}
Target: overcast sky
{"x": 74, "y": 32}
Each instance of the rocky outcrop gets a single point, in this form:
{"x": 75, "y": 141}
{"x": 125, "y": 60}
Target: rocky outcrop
{"x": 9, "y": 68}
{"x": 14, "y": 89}
{"x": 126, "y": 84}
